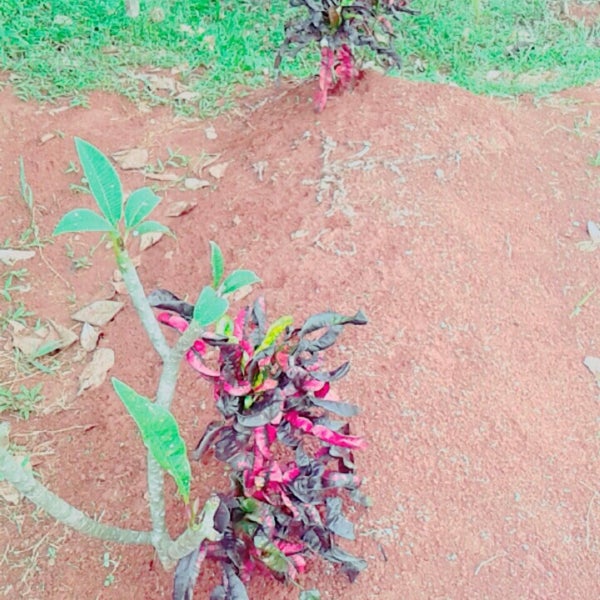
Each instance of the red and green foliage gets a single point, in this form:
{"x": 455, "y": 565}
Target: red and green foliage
{"x": 340, "y": 27}
{"x": 284, "y": 434}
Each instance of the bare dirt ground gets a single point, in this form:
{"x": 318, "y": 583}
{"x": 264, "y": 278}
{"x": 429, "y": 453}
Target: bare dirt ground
{"x": 453, "y": 221}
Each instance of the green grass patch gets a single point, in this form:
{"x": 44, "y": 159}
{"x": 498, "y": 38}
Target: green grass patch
{"x": 219, "y": 48}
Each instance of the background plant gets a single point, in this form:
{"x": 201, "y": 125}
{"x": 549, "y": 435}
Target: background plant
{"x": 487, "y": 46}
{"x": 340, "y": 27}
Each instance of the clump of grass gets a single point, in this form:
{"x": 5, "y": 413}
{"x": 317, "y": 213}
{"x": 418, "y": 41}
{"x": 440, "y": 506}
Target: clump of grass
{"x": 22, "y": 402}
{"x": 220, "y": 47}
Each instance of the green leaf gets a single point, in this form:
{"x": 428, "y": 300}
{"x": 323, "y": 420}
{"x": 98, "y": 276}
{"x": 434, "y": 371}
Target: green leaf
{"x": 238, "y": 279}
{"x": 139, "y": 205}
{"x": 47, "y": 348}
{"x": 310, "y": 595}
{"x": 270, "y": 555}
{"x": 160, "y": 434}
{"x": 276, "y": 329}
{"x": 216, "y": 264}
{"x": 151, "y": 226}
{"x": 209, "y": 307}
{"x": 103, "y": 180}
{"x": 82, "y": 219}
{"x": 224, "y": 326}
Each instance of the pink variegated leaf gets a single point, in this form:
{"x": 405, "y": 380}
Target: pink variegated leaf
{"x": 323, "y": 433}
{"x": 290, "y": 474}
{"x": 196, "y": 363}
{"x": 241, "y": 389}
{"x": 261, "y": 441}
{"x": 289, "y": 547}
{"x": 172, "y": 320}
{"x": 266, "y": 385}
{"x": 238, "y": 323}
{"x": 271, "y": 432}
{"x": 341, "y": 480}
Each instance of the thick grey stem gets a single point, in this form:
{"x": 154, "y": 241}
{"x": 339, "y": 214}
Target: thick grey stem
{"x": 169, "y": 553}
{"x": 172, "y": 364}
{"x": 12, "y": 470}
{"x": 140, "y": 303}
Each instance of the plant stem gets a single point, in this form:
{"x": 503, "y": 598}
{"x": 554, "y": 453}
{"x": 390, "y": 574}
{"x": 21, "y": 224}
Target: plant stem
{"x": 169, "y": 551}
{"x": 13, "y": 471}
{"x": 138, "y": 298}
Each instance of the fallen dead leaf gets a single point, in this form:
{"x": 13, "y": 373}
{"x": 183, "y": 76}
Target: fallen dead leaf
{"x": 88, "y": 337}
{"x": 133, "y": 158}
{"x": 161, "y": 82}
{"x": 200, "y": 163}
{"x": 98, "y": 313}
{"x": 42, "y": 340}
{"x": 95, "y": 371}
{"x": 217, "y": 171}
{"x": 191, "y": 183}
{"x": 162, "y": 176}
{"x": 187, "y": 96}
{"x": 594, "y": 231}
{"x": 10, "y": 256}
{"x": 46, "y": 137}
{"x": 178, "y": 209}
{"x": 149, "y": 239}
{"x": 9, "y": 493}
{"x": 64, "y": 335}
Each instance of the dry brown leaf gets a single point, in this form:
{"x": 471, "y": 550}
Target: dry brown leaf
{"x": 200, "y": 163}
{"x": 89, "y": 337}
{"x": 9, "y": 256}
{"x": 46, "y": 137}
{"x": 191, "y": 183}
{"x": 187, "y": 96}
{"x": 162, "y": 176}
{"x": 62, "y": 334}
{"x": 217, "y": 171}
{"x": 178, "y": 209}
{"x": 161, "y": 82}
{"x": 133, "y": 158}
{"x": 9, "y": 493}
{"x": 149, "y": 239}
{"x": 95, "y": 371}
{"x": 98, "y": 313}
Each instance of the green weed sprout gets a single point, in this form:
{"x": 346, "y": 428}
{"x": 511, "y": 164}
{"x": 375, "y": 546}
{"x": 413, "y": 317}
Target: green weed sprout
{"x": 119, "y": 219}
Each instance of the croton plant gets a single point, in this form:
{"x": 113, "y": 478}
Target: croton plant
{"x": 284, "y": 435}
{"x": 340, "y": 27}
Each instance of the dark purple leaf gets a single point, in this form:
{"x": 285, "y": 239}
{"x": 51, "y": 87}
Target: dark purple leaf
{"x": 210, "y": 433}
{"x": 334, "y": 375}
{"x": 166, "y": 300}
{"x": 222, "y": 517}
{"x": 261, "y": 413}
{"x": 343, "y": 409}
{"x": 330, "y": 319}
{"x": 230, "y": 442}
{"x": 335, "y": 520}
{"x": 186, "y": 574}
{"x": 233, "y": 585}
{"x": 351, "y": 565}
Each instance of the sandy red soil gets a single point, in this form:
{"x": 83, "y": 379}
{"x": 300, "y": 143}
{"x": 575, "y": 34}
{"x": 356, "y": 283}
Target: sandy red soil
{"x": 453, "y": 221}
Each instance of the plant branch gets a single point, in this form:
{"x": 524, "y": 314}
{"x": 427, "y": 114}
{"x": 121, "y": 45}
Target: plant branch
{"x": 140, "y": 303}
{"x": 192, "y": 537}
{"x": 15, "y": 473}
